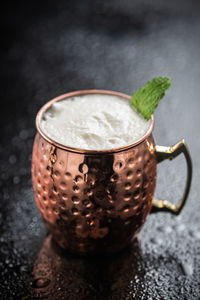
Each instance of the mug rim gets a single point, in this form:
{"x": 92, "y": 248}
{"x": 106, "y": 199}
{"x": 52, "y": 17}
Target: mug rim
{"x": 48, "y": 104}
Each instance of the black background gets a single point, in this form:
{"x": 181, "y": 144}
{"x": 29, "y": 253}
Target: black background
{"x": 52, "y": 47}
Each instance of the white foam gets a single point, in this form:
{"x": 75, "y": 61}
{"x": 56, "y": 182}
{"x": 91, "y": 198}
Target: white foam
{"x": 94, "y": 122}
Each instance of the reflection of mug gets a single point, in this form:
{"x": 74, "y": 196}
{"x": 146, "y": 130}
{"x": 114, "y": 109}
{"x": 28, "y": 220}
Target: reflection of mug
{"x": 97, "y": 201}
{"x": 57, "y": 274}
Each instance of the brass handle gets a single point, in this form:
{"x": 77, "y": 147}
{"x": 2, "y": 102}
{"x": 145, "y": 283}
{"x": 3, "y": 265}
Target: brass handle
{"x": 163, "y": 153}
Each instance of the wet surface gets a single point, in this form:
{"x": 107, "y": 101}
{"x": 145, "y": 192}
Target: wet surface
{"x": 52, "y": 49}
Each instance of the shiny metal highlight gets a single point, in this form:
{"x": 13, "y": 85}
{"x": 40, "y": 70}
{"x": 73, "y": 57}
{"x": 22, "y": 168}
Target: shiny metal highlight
{"x": 97, "y": 201}
{"x": 163, "y": 153}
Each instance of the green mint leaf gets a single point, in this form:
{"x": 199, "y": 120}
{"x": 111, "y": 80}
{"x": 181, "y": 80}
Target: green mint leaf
{"x": 146, "y": 98}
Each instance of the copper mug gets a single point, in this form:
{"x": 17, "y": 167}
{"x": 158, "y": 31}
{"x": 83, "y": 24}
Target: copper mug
{"x": 97, "y": 201}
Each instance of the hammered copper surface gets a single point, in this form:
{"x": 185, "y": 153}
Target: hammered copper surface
{"x": 94, "y": 202}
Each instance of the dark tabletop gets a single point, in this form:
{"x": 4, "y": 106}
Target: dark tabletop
{"x": 52, "y": 47}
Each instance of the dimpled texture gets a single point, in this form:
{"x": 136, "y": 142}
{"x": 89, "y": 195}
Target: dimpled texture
{"x": 94, "y": 202}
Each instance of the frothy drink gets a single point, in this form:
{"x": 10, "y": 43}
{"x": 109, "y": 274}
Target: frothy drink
{"x": 94, "y": 122}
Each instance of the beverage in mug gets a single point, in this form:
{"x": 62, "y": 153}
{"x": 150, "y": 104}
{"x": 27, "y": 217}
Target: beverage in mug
{"x": 94, "y": 122}
{"x": 94, "y": 170}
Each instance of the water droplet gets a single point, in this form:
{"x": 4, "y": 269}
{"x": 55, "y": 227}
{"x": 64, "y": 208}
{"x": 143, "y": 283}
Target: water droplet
{"x": 156, "y": 241}
{"x": 195, "y": 234}
{"x": 16, "y": 179}
{"x": 23, "y": 268}
{"x": 187, "y": 268}
{"x": 181, "y": 227}
{"x": 12, "y": 159}
{"x": 23, "y": 134}
{"x": 168, "y": 229}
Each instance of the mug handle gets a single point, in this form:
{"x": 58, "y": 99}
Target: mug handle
{"x": 163, "y": 153}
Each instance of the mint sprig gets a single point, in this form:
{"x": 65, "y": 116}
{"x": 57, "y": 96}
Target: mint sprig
{"x": 146, "y": 98}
